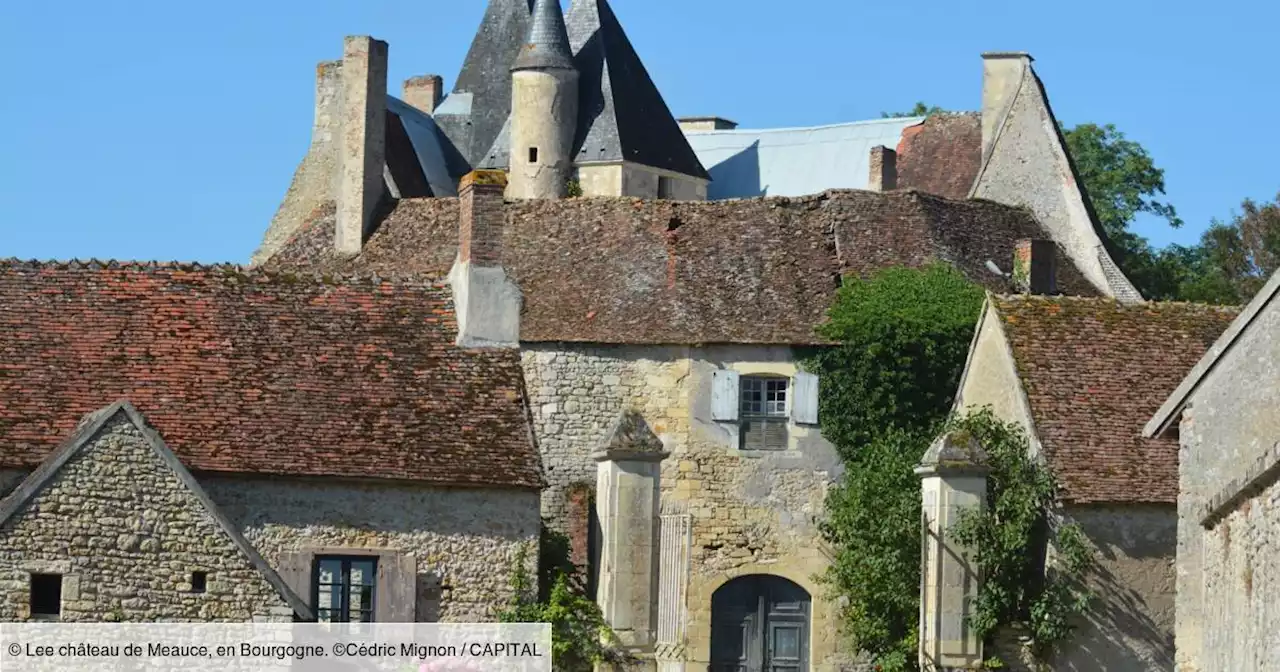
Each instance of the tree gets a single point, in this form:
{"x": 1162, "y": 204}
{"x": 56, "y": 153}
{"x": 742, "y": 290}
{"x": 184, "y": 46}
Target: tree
{"x": 920, "y": 110}
{"x": 1120, "y": 178}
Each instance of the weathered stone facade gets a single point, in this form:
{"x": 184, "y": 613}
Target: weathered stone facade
{"x": 126, "y": 534}
{"x": 747, "y": 513}
{"x": 464, "y": 541}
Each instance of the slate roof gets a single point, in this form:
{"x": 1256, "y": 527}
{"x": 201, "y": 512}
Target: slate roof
{"x": 83, "y": 436}
{"x": 416, "y": 155}
{"x": 621, "y": 270}
{"x": 250, "y": 372}
{"x": 939, "y": 155}
{"x": 548, "y": 43}
{"x": 1094, "y": 371}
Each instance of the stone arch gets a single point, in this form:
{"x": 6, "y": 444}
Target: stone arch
{"x": 760, "y": 621}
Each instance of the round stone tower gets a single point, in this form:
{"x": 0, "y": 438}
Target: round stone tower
{"x": 544, "y": 108}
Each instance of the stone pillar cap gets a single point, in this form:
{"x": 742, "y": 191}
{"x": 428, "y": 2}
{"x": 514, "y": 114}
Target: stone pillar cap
{"x": 495, "y": 178}
{"x": 954, "y": 452}
{"x": 631, "y": 440}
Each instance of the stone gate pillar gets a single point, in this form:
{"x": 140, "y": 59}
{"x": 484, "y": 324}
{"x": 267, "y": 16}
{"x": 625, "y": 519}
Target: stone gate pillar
{"x": 953, "y": 477}
{"x": 627, "y": 504}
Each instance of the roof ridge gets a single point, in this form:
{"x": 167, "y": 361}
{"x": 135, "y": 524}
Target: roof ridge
{"x": 791, "y": 129}
{"x": 251, "y": 273}
{"x": 1027, "y": 298}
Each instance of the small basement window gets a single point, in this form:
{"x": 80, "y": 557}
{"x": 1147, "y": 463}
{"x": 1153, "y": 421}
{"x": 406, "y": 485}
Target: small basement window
{"x": 533, "y": 155}
{"x": 199, "y": 581}
{"x": 666, "y": 188}
{"x": 46, "y": 594}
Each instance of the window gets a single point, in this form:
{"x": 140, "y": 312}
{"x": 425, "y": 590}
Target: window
{"x": 533, "y": 155}
{"x": 666, "y": 187}
{"x": 764, "y": 413}
{"x": 199, "y": 581}
{"x": 344, "y": 589}
{"x": 46, "y": 594}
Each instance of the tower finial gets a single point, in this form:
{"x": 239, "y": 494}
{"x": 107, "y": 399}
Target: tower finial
{"x": 548, "y": 43}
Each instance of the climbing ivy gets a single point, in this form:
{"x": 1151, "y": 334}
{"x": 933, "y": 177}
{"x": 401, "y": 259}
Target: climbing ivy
{"x": 580, "y": 637}
{"x": 903, "y": 337}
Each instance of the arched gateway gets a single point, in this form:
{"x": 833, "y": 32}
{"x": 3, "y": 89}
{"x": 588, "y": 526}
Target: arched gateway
{"x": 760, "y": 623}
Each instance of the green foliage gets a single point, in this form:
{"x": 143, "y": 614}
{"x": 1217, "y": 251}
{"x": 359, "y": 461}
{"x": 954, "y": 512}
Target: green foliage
{"x": 574, "y": 188}
{"x": 920, "y": 110}
{"x": 1020, "y": 496}
{"x": 887, "y": 389}
{"x": 1120, "y": 178}
{"x": 580, "y": 637}
{"x": 904, "y": 336}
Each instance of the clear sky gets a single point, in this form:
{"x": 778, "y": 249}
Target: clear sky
{"x": 170, "y": 130}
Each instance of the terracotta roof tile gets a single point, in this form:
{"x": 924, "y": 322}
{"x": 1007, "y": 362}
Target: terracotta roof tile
{"x": 1094, "y": 372}
{"x": 941, "y": 156}
{"x": 244, "y": 371}
{"x": 621, "y": 270}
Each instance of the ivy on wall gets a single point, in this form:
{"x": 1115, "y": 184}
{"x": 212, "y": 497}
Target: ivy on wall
{"x": 887, "y": 389}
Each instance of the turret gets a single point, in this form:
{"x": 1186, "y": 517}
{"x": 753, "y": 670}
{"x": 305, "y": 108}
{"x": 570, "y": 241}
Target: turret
{"x": 544, "y": 108}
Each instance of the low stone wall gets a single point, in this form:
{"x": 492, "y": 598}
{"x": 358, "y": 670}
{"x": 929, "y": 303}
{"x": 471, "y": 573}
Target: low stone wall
{"x": 126, "y": 534}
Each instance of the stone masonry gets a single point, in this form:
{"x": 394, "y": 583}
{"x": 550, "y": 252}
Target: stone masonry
{"x": 126, "y": 535}
{"x": 464, "y": 541}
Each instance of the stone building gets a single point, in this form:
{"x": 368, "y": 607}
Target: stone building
{"x": 1223, "y": 416}
{"x": 212, "y": 443}
{"x": 1081, "y": 376}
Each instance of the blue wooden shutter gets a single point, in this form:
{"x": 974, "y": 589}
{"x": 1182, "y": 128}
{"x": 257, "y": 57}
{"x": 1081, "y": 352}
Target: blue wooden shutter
{"x": 804, "y": 399}
{"x": 724, "y": 396}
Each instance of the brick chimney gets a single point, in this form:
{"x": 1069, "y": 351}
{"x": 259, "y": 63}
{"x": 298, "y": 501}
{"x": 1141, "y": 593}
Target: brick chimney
{"x": 706, "y": 124}
{"x": 487, "y": 302}
{"x": 362, "y": 143}
{"x": 424, "y": 92}
{"x": 1035, "y": 267}
{"x": 1002, "y": 75}
{"x": 883, "y": 175}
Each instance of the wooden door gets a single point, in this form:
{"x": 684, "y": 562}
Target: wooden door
{"x": 760, "y": 624}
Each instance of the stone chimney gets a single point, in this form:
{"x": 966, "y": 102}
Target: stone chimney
{"x": 328, "y": 101}
{"x": 883, "y": 175}
{"x": 424, "y": 92}
{"x": 706, "y": 124}
{"x": 1035, "y": 267}
{"x": 362, "y": 144}
{"x": 1002, "y": 75}
{"x": 486, "y": 301}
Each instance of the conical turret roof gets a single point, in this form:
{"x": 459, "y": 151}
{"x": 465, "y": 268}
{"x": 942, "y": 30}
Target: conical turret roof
{"x": 548, "y": 42}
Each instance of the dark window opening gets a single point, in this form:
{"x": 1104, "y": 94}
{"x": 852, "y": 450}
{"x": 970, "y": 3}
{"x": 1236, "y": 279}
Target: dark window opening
{"x": 666, "y": 187}
{"x": 533, "y": 155}
{"x": 764, "y": 413}
{"x": 199, "y": 581}
{"x": 46, "y": 594}
{"x": 344, "y": 589}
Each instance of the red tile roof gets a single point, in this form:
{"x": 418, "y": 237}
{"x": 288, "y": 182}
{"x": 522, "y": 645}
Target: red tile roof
{"x": 244, "y": 371}
{"x": 764, "y": 270}
{"x": 1094, "y": 372}
{"x": 941, "y": 156}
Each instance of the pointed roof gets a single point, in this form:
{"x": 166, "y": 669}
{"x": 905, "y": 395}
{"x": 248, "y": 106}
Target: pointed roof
{"x": 631, "y": 438}
{"x": 548, "y": 43}
{"x": 622, "y": 116}
{"x": 83, "y": 436}
{"x": 473, "y": 114}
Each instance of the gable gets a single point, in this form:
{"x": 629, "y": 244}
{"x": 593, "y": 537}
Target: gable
{"x": 115, "y": 477}
{"x": 1028, "y": 165}
{"x": 991, "y": 377}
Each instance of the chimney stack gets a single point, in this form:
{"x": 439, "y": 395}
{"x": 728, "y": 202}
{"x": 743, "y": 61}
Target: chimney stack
{"x": 1002, "y": 75}
{"x": 424, "y": 92}
{"x": 486, "y": 301}
{"x": 1035, "y": 267}
{"x": 362, "y": 144}
{"x": 884, "y": 169}
{"x": 328, "y": 100}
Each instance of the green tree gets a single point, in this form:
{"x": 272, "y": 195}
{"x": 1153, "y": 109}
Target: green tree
{"x": 1120, "y": 177}
{"x": 904, "y": 336}
{"x": 920, "y": 110}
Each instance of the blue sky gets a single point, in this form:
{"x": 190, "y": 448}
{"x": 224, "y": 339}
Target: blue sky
{"x": 171, "y": 130}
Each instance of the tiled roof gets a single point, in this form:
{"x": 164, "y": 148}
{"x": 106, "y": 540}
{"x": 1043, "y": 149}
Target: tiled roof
{"x": 941, "y": 156}
{"x": 620, "y": 270}
{"x": 1094, "y": 372}
{"x": 245, "y": 371}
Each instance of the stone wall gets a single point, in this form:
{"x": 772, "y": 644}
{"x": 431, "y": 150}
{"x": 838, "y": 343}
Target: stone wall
{"x": 1224, "y": 578}
{"x": 126, "y": 534}
{"x": 463, "y": 540}
{"x": 749, "y": 513}
{"x": 637, "y": 181}
{"x": 1130, "y": 625}
{"x": 1028, "y": 166}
